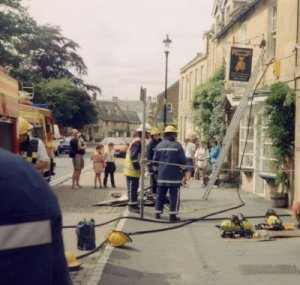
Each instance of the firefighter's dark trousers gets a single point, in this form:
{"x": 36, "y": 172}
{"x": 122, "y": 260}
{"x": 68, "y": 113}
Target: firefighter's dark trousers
{"x": 132, "y": 189}
{"x": 174, "y": 192}
{"x": 153, "y": 183}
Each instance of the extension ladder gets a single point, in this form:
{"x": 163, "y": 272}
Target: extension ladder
{"x": 234, "y": 124}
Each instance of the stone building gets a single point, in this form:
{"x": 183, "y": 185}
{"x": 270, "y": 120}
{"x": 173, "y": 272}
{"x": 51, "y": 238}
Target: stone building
{"x": 112, "y": 121}
{"x": 191, "y": 75}
{"x": 247, "y": 24}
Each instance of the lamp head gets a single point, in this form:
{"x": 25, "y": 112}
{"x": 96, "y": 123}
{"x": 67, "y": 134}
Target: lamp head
{"x": 167, "y": 42}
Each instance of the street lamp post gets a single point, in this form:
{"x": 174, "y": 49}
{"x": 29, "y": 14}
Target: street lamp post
{"x": 167, "y": 43}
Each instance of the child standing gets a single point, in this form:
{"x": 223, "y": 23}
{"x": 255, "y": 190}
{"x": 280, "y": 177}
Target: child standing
{"x": 110, "y": 166}
{"x": 98, "y": 159}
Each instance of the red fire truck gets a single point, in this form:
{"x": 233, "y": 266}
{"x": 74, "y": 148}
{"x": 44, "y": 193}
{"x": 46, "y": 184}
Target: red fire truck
{"x": 15, "y": 103}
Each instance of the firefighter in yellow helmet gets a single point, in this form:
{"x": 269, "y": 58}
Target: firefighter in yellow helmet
{"x": 155, "y": 140}
{"x": 132, "y": 167}
{"x": 170, "y": 155}
{"x": 32, "y": 149}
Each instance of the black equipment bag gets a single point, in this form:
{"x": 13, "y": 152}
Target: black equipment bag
{"x": 86, "y": 235}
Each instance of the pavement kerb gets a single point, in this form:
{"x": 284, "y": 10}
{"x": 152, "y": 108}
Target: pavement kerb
{"x": 102, "y": 261}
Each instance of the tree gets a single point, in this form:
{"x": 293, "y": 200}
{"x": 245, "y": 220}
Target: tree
{"x": 15, "y": 24}
{"x": 207, "y": 106}
{"x": 280, "y": 111}
{"x": 70, "y": 105}
{"x": 34, "y": 52}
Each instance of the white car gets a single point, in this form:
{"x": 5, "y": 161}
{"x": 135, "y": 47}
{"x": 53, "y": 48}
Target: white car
{"x": 57, "y": 140}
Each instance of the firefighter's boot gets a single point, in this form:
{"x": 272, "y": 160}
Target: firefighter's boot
{"x": 134, "y": 208}
{"x": 174, "y": 218}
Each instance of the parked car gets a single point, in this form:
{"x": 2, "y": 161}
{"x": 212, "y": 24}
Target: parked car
{"x": 64, "y": 146}
{"x": 120, "y": 145}
{"x": 57, "y": 140}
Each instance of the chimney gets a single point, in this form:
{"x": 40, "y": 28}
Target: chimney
{"x": 94, "y": 97}
{"x": 115, "y": 99}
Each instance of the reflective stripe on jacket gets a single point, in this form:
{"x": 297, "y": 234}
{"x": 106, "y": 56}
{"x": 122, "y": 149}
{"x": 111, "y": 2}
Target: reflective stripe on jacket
{"x": 133, "y": 159}
{"x": 29, "y": 150}
{"x": 169, "y": 151}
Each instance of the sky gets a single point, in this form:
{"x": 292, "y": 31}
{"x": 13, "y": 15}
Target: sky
{"x": 121, "y": 41}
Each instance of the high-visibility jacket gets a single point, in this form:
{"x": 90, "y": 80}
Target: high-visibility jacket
{"x": 169, "y": 152}
{"x": 29, "y": 150}
{"x": 132, "y": 165}
{"x": 31, "y": 243}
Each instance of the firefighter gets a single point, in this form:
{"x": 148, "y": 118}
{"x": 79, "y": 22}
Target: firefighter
{"x": 155, "y": 140}
{"x": 132, "y": 167}
{"x": 169, "y": 176}
{"x": 32, "y": 149}
{"x": 31, "y": 242}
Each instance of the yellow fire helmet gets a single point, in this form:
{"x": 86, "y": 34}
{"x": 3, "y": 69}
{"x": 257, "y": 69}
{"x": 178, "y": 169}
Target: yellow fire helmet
{"x": 118, "y": 238}
{"x": 72, "y": 261}
{"x": 170, "y": 129}
{"x": 155, "y": 131}
{"x": 23, "y": 126}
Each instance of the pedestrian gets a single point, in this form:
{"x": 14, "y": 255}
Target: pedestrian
{"x": 214, "y": 152}
{"x": 169, "y": 176}
{"x": 201, "y": 158}
{"x": 32, "y": 149}
{"x": 31, "y": 242}
{"x": 76, "y": 152}
{"x": 110, "y": 166}
{"x": 155, "y": 140}
{"x": 132, "y": 168}
{"x": 190, "y": 149}
{"x": 98, "y": 159}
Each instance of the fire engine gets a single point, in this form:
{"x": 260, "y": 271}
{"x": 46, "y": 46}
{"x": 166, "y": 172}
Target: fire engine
{"x": 15, "y": 103}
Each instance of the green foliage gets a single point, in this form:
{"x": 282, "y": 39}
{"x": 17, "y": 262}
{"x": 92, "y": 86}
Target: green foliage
{"x": 70, "y": 105}
{"x": 280, "y": 110}
{"x": 35, "y": 52}
{"x": 207, "y": 106}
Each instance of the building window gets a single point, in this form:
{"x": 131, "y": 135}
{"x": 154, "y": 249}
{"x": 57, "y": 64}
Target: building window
{"x": 227, "y": 15}
{"x": 182, "y": 88}
{"x": 190, "y": 85}
{"x": 267, "y": 157}
{"x": 248, "y": 158}
{"x": 202, "y": 74}
{"x": 169, "y": 108}
{"x": 196, "y": 78}
{"x": 186, "y": 87}
{"x": 244, "y": 34}
{"x": 272, "y": 30}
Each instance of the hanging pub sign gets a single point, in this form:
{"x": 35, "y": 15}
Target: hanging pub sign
{"x": 240, "y": 64}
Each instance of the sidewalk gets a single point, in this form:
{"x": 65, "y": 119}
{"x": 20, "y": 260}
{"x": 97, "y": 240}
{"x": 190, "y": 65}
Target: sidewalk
{"x": 76, "y": 205}
{"x": 194, "y": 254}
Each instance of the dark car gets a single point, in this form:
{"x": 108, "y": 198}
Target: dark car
{"x": 64, "y": 146}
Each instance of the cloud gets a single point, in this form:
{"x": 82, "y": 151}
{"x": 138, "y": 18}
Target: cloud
{"x": 121, "y": 41}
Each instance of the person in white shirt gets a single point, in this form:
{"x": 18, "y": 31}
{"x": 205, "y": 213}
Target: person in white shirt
{"x": 201, "y": 160}
{"x": 110, "y": 166}
{"x": 189, "y": 154}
